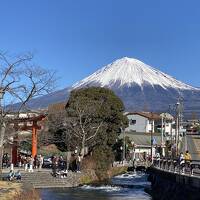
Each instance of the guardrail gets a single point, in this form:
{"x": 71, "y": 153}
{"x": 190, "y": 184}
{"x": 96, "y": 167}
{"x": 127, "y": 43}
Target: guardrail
{"x": 191, "y": 167}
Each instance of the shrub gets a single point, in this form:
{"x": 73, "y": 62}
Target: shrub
{"x": 103, "y": 157}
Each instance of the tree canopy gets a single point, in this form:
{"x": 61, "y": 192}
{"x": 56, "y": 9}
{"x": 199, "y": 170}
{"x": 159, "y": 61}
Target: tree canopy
{"x": 93, "y": 116}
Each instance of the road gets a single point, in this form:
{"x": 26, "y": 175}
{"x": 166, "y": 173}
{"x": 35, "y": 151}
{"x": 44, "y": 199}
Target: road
{"x": 192, "y": 143}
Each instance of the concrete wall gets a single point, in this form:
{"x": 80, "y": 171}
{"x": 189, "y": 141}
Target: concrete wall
{"x": 167, "y": 185}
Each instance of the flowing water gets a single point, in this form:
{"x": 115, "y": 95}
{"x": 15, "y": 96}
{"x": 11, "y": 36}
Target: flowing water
{"x": 124, "y": 187}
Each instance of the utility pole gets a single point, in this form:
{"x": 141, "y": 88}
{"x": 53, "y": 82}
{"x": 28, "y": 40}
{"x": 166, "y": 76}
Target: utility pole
{"x": 162, "y": 135}
{"x": 152, "y": 138}
{"x": 178, "y": 123}
{"x": 124, "y": 146}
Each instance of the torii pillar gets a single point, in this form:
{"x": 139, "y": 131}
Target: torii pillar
{"x": 34, "y": 139}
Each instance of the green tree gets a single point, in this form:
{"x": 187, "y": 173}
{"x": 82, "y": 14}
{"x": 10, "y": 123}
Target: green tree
{"x": 94, "y": 117}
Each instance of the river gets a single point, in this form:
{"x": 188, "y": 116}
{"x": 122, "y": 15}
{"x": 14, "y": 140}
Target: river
{"x": 124, "y": 187}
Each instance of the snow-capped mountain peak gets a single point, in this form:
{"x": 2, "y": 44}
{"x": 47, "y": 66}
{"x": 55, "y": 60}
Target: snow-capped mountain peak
{"x": 129, "y": 72}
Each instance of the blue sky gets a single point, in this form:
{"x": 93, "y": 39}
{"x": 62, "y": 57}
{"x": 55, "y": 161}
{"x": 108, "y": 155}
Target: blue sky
{"x": 76, "y": 37}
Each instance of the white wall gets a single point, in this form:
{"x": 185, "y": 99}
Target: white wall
{"x": 141, "y": 124}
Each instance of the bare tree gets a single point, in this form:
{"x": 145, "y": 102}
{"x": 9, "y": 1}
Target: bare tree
{"x": 83, "y": 127}
{"x": 54, "y": 131}
{"x": 20, "y": 81}
{"x": 93, "y": 116}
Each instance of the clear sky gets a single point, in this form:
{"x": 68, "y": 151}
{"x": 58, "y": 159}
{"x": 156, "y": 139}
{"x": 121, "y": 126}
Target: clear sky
{"x": 76, "y": 37}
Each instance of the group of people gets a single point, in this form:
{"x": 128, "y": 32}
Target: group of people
{"x": 29, "y": 163}
{"x": 60, "y": 166}
{"x": 185, "y": 159}
{"x": 6, "y": 160}
{"x": 13, "y": 176}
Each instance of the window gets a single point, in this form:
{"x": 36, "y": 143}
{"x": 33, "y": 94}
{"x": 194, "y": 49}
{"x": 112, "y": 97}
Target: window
{"x": 132, "y": 121}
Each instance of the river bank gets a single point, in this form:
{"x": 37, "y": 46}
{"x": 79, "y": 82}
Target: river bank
{"x": 9, "y": 190}
{"x": 121, "y": 187}
{"x": 25, "y": 190}
{"x": 17, "y": 191}
{"x": 90, "y": 176}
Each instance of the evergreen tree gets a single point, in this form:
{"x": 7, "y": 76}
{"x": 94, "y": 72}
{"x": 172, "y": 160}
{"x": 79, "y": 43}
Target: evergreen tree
{"x": 94, "y": 117}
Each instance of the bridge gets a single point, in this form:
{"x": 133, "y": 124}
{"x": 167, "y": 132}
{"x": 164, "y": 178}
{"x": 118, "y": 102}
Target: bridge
{"x": 175, "y": 180}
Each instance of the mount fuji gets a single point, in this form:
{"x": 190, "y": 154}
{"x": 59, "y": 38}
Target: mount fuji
{"x": 140, "y": 86}
{"x": 129, "y": 72}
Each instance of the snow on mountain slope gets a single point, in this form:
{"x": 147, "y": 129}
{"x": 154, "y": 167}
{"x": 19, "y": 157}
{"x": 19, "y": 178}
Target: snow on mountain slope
{"x": 130, "y": 72}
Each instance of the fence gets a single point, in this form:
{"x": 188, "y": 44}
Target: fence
{"x": 191, "y": 167}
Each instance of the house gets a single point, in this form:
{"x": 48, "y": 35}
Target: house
{"x": 141, "y": 144}
{"x": 142, "y": 122}
{"x": 146, "y": 126}
{"x": 147, "y": 122}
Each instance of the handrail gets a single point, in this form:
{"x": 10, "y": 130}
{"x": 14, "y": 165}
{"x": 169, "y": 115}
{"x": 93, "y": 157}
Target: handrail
{"x": 189, "y": 167}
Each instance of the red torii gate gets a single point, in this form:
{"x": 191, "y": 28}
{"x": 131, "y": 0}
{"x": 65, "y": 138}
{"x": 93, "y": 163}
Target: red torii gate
{"x": 34, "y": 127}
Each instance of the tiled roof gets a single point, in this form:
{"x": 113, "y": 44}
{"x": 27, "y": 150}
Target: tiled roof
{"x": 148, "y": 115}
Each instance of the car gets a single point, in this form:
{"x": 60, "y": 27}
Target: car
{"x": 47, "y": 162}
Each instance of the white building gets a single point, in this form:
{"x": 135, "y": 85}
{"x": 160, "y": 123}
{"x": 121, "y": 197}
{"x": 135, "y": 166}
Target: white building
{"x": 145, "y": 122}
{"x": 142, "y": 122}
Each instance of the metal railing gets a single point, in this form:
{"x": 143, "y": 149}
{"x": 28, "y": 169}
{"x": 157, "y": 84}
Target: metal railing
{"x": 186, "y": 167}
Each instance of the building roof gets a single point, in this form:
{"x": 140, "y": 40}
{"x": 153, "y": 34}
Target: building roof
{"x": 148, "y": 115}
{"x": 152, "y": 116}
{"x": 143, "y": 139}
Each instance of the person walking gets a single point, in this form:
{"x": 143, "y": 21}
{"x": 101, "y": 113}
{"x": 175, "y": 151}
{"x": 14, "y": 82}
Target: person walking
{"x": 41, "y": 160}
{"x": 31, "y": 161}
{"x": 78, "y": 163}
{"x": 54, "y": 165}
{"x": 187, "y": 158}
{"x": 182, "y": 162}
{"x": 25, "y": 162}
{"x": 68, "y": 158}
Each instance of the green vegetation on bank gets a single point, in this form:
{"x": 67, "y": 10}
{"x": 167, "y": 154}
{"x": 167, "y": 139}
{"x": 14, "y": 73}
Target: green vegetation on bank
{"x": 90, "y": 176}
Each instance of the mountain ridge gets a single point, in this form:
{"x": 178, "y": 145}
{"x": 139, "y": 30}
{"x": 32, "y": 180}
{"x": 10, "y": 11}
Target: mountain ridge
{"x": 130, "y": 71}
{"x": 140, "y": 86}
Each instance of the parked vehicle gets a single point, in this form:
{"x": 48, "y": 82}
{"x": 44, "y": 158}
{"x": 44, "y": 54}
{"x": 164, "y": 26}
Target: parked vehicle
{"x": 47, "y": 162}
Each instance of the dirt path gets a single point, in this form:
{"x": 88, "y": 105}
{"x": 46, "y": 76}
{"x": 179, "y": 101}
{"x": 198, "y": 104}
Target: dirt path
{"x": 8, "y": 190}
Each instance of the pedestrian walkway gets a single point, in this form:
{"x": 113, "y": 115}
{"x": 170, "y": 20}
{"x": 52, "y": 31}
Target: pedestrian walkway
{"x": 44, "y": 179}
{"x": 193, "y": 145}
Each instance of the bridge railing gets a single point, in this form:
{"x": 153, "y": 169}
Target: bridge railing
{"x": 191, "y": 167}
